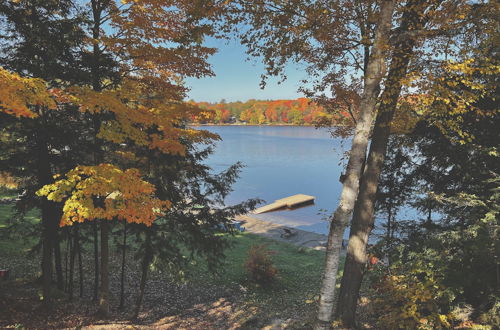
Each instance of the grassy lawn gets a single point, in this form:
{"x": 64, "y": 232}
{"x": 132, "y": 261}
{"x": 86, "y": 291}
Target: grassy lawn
{"x": 293, "y": 293}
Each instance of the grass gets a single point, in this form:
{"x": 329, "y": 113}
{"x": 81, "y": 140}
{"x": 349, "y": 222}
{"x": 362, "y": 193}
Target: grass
{"x": 294, "y": 292}
{"x": 7, "y": 193}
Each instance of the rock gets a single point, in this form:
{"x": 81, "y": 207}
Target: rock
{"x": 288, "y": 233}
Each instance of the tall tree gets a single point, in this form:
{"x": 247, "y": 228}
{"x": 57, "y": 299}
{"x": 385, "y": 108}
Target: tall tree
{"x": 40, "y": 40}
{"x": 416, "y": 19}
{"x": 412, "y": 19}
{"x": 148, "y": 45}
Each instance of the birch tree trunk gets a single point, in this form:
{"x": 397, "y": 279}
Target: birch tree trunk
{"x": 363, "y": 217}
{"x": 373, "y": 75}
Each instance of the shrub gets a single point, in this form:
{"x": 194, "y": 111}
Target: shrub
{"x": 260, "y": 265}
{"x": 492, "y": 317}
{"x": 411, "y": 299}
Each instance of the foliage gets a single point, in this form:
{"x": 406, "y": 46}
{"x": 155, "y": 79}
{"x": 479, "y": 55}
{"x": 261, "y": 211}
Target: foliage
{"x": 105, "y": 192}
{"x": 492, "y": 316}
{"x": 8, "y": 182}
{"x": 141, "y": 116}
{"x": 410, "y": 297}
{"x": 188, "y": 228}
{"x": 450, "y": 162}
{"x": 18, "y": 94}
{"x": 131, "y": 96}
{"x": 395, "y": 187}
{"x": 456, "y": 89}
{"x": 453, "y": 90}
{"x": 456, "y": 187}
{"x": 301, "y": 111}
{"x": 260, "y": 265}
{"x": 34, "y": 58}
{"x": 461, "y": 218}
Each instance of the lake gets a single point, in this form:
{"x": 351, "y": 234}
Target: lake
{"x": 281, "y": 161}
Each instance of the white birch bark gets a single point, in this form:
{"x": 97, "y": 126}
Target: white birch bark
{"x": 373, "y": 76}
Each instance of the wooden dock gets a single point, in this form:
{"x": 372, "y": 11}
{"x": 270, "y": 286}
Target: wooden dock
{"x": 292, "y": 201}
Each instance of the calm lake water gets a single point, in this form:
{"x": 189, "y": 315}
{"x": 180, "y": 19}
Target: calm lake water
{"x": 281, "y": 161}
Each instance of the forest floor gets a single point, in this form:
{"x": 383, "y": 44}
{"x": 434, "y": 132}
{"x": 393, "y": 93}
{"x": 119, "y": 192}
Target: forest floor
{"x": 227, "y": 300}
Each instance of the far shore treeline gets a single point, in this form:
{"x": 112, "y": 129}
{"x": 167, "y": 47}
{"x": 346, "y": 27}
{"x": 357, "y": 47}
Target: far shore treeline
{"x": 301, "y": 111}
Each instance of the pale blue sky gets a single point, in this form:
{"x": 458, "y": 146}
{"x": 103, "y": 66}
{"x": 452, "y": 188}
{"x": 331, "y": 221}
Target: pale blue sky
{"x": 238, "y": 79}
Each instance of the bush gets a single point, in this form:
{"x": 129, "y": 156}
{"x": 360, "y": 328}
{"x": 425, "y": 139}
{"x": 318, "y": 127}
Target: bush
{"x": 492, "y": 317}
{"x": 411, "y": 298}
{"x": 260, "y": 265}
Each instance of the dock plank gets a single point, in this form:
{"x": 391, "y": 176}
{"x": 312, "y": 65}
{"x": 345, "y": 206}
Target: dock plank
{"x": 290, "y": 201}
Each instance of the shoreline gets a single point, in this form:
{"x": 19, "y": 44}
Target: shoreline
{"x": 262, "y": 125}
{"x": 275, "y": 232}
{"x": 241, "y": 124}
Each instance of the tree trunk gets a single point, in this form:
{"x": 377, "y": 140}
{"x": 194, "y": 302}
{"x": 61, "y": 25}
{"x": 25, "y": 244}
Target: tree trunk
{"x": 104, "y": 287}
{"x": 363, "y": 220}
{"x": 148, "y": 253}
{"x": 72, "y": 255}
{"x": 97, "y": 8}
{"x": 429, "y": 217}
{"x": 80, "y": 264}
{"x": 58, "y": 261}
{"x": 361, "y": 227}
{"x": 54, "y": 229}
{"x": 373, "y": 75}
{"x": 389, "y": 233}
{"x": 66, "y": 260}
{"x": 46, "y": 253}
{"x": 124, "y": 255}
{"x": 96, "y": 259}
{"x": 44, "y": 176}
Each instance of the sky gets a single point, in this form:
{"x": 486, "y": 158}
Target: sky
{"x": 237, "y": 79}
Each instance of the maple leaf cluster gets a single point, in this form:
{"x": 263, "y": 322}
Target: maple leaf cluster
{"x": 105, "y": 192}
{"x": 18, "y": 94}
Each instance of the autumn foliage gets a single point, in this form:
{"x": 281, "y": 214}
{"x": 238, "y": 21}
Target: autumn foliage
{"x": 105, "y": 192}
{"x": 301, "y": 111}
{"x": 18, "y": 94}
{"x": 410, "y": 301}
